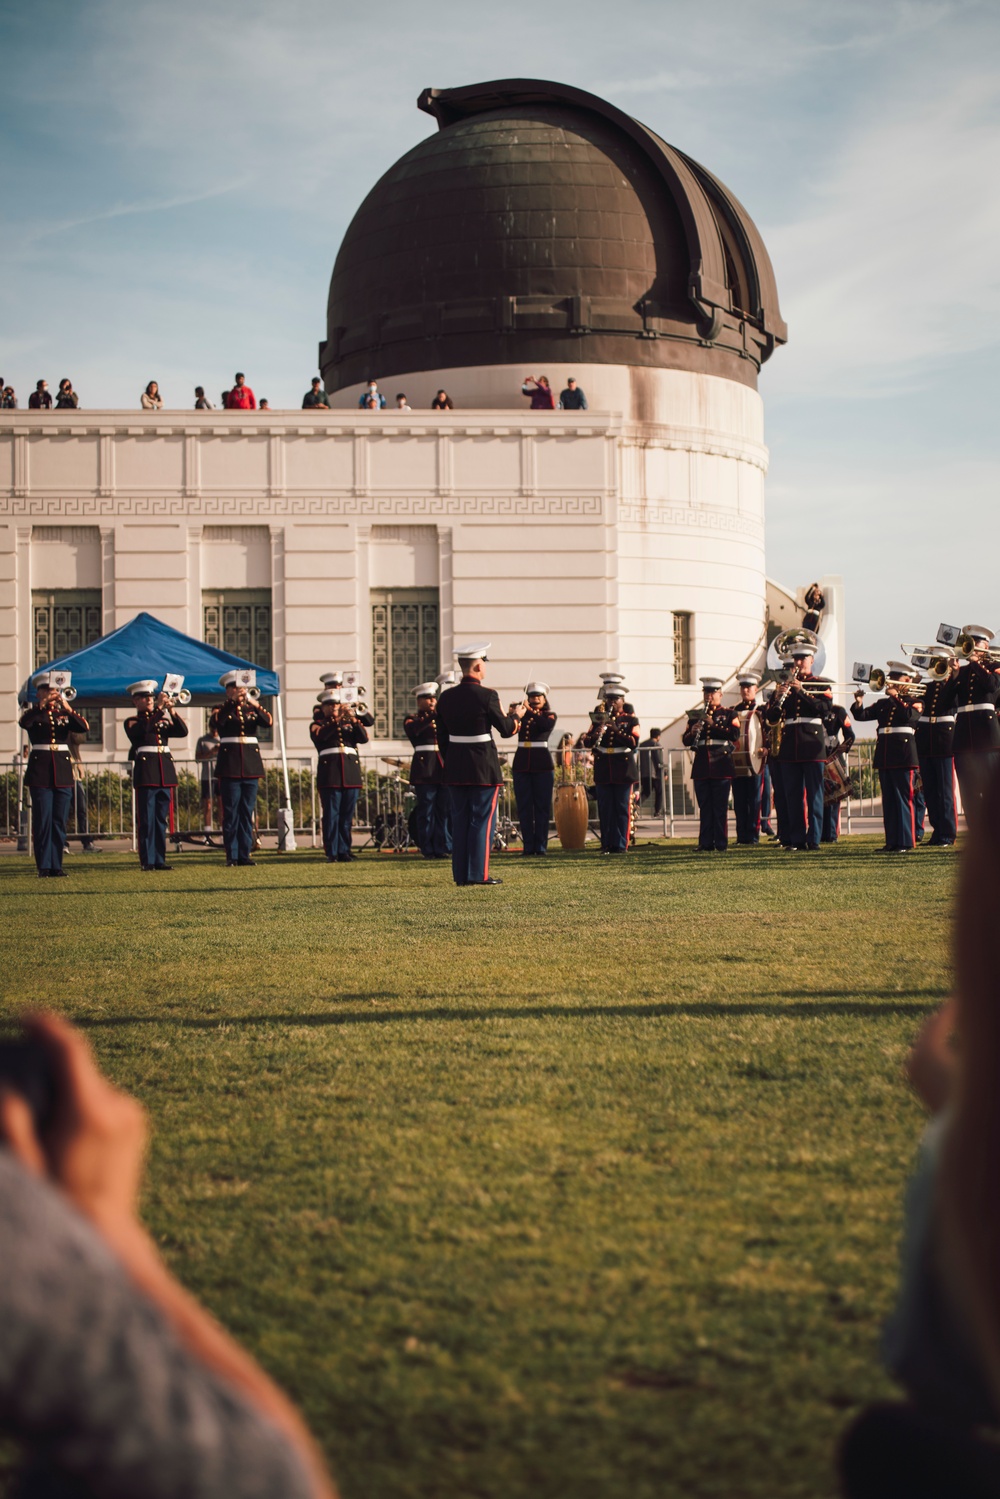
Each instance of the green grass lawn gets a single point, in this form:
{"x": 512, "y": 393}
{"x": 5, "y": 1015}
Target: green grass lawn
{"x": 585, "y": 1185}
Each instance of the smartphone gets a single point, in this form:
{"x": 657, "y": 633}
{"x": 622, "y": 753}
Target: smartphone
{"x": 26, "y": 1068}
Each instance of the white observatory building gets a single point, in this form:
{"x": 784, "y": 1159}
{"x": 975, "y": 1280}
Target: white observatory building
{"x": 539, "y": 230}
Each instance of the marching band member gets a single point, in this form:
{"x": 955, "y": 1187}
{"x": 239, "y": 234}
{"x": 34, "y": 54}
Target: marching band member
{"x": 839, "y": 738}
{"x": 711, "y": 733}
{"x": 974, "y": 699}
{"x": 768, "y": 798}
{"x": 533, "y": 771}
{"x": 336, "y": 735}
{"x": 614, "y": 738}
{"x": 239, "y": 766}
{"x": 466, "y": 713}
{"x": 910, "y": 691}
{"x": 747, "y": 789}
{"x": 427, "y": 775}
{"x": 895, "y": 758}
{"x": 49, "y": 776}
{"x": 935, "y": 754}
{"x": 798, "y": 715}
{"x": 153, "y": 772}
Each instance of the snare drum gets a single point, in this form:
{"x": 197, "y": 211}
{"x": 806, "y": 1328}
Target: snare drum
{"x": 836, "y": 781}
{"x": 748, "y": 752}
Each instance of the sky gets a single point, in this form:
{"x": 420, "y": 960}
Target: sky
{"x": 177, "y": 178}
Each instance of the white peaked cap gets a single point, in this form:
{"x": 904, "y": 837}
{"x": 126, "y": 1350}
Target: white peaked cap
{"x": 148, "y": 684}
{"x": 426, "y": 689}
{"x": 329, "y": 696}
{"x": 542, "y": 687}
{"x": 611, "y": 676}
{"x": 474, "y": 652}
{"x": 748, "y": 679}
{"x": 332, "y": 678}
{"x": 901, "y": 666}
{"x": 978, "y": 632}
{"x": 710, "y": 684}
{"x": 227, "y": 679}
{"x": 42, "y": 679}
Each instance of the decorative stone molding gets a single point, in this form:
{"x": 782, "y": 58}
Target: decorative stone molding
{"x": 700, "y": 518}
{"x": 168, "y": 506}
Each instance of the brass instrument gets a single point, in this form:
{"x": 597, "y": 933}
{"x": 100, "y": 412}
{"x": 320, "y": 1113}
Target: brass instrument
{"x": 179, "y": 699}
{"x": 973, "y": 649}
{"x": 253, "y": 694}
{"x": 68, "y": 694}
{"x": 784, "y": 642}
{"x": 878, "y": 682}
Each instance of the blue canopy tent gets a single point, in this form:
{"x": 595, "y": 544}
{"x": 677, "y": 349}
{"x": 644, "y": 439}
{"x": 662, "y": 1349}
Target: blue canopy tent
{"x": 146, "y": 647}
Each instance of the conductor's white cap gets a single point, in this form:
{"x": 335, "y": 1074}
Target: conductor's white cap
{"x": 148, "y": 684}
{"x": 542, "y": 687}
{"x": 426, "y": 689}
{"x": 475, "y": 652}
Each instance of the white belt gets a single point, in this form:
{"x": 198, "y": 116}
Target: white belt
{"x": 899, "y": 731}
{"x": 725, "y": 743}
{"x": 152, "y": 749}
{"x": 52, "y": 747}
{"x": 941, "y": 718}
{"x": 790, "y": 721}
{"x": 976, "y": 708}
{"x": 615, "y": 751}
{"x": 470, "y": 738}
{"x": 424, "y": 749}
{"x": 240, "y": 739}
{"x": 534, "y": 744}
{"x": 338, "y": 749}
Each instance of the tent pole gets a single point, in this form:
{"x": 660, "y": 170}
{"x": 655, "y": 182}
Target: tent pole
{"x": 286, "y": 824}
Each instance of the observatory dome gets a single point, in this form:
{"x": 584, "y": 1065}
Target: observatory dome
{"x": 543, "y": 225}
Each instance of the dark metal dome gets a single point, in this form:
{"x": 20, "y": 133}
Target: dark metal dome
{"x": 542, "y": 224}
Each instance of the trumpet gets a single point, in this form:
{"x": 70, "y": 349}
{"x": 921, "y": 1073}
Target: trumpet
{"x": 179, "y": 699}
{"x": 878, "y": 681}
{"x": 253, "y": 693}
{"x": 970, "y": 648}
{"x": 68, "y": 694}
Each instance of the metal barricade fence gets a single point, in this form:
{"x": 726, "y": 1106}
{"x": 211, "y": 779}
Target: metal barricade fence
{"x": 101, "y": 807}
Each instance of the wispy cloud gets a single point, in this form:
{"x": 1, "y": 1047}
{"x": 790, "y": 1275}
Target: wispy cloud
{"x": 32, "y": 235}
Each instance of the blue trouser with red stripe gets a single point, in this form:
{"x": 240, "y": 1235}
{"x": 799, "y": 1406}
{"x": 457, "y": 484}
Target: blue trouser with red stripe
{"x": 938, "y": 776}
{"x": 473, "y": 818}
{"x": 49, "y": 810}
{"x": 802, "y": 784}
{"x": 746, "y": 806}
{"x": 533, "y": 793}
{"x": 898, "y": 810}
{"x": 433, "y": 821}
{"x": 612, "y": 812}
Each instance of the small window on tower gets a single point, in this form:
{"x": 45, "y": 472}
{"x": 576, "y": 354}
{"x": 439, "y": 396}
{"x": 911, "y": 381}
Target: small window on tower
{"x": 682, "y": 647}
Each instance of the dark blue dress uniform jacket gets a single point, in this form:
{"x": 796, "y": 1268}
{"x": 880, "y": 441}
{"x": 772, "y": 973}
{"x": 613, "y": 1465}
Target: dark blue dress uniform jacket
{"x": 338, "y": 771}
{"x": 427, "y": 767}
{"x": 612, "y": 766}
{"x": 936, "y": 729}
{"x": 893, "y": 751}
{"x": 535, "y": 730}
{"x": 239, "y": 762}
{"x": 47, "y": 727}
{"x": 803, "y": 719}
{"x": 976, "y": 728}
{"x": 467, "y": 709}
{"x": 712, "y": 739}
{"x": 153, "y": 728}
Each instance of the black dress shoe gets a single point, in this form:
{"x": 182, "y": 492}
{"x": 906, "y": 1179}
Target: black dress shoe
{"x": 247, "y": 863}
{"x": 343, "y": 858}
{"x": 490, "y": 881}
{"x": 230, "y": 863}
{"x": 158, "y": 867}
{"x": 58, "y": 874}
{"x": 43, "y": 874}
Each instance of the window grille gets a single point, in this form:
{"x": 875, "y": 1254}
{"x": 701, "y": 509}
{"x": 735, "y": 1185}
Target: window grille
{"x": 65, "y": 620}
{"x": 239, "y": 620}
{"x": 682, "y": 647}
{"x": 406, "y": 650}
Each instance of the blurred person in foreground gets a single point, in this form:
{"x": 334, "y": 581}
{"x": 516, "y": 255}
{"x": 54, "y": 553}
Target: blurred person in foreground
{"x": 112, "y": 1378}
{"x": 942, "y": 1342}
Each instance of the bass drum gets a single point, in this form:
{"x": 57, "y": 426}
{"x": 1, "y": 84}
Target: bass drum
{"x": 571, "y": 815}
{"x": 748, "y": 752}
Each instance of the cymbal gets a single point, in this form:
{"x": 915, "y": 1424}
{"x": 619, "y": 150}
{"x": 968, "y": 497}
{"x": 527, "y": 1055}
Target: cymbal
{"x": 390, "y": 760}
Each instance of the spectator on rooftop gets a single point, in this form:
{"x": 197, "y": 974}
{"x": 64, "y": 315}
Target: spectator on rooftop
{"x": 265, "y": 404}
{"x": 402, "y": 404}
{"x": 201, "y": 401}
{"x": 371, "y": 398}
{"x": 442, "y": 402}
{"x": 8, "y": 400}
{"x": 40, "y": 399}
{"x": 151, "y": 400}
{"x": 315, "y": 396}
{"x": 66, "y": 397}
{"x": 241, "y": 397}
{"x": 540, "y": 393}
{"x": 572, "y": 398}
